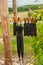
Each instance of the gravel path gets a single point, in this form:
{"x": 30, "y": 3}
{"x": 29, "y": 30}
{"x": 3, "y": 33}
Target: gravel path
{"x": 27, "y": 60}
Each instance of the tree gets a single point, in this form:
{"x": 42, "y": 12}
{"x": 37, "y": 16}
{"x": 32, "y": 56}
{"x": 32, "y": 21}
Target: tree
{"x": 6, "y": 33}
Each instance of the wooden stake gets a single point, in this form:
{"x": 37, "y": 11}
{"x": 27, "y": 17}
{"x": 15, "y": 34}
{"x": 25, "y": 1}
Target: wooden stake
{"x": 14, "y": 7}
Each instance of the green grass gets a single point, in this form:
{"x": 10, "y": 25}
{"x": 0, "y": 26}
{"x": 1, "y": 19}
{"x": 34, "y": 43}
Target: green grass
{"x": 14, "y": 46}
{"x": 1, "y": 49}
{"x": 11, "y": 30}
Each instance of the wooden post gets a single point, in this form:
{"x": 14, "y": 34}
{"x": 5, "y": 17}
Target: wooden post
{"x": 14, "y": 7}
{"x": 0, "y": 9}
{"x": 6, "y": 33}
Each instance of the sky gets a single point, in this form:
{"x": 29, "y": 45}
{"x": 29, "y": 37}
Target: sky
{"x": 25, "y": 2}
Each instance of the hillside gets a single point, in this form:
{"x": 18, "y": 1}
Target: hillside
{"x": 25, "y": 8}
